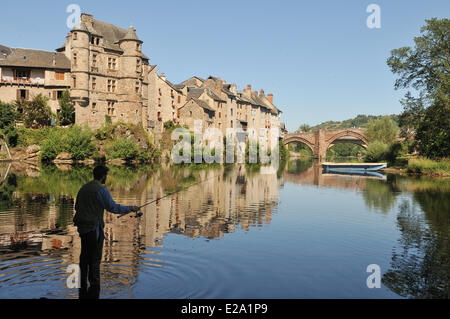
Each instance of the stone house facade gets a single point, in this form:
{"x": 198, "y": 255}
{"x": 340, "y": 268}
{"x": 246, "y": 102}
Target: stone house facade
{"x": 164, "y": 99}
{"x": 111, "y": 80}
{"x": 109, "y": 73}
{"x": 25, "y": 73}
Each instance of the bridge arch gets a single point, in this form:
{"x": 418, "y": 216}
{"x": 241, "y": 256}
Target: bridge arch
{"x": 352, "y": 133}
{"x": 299, "y": 139}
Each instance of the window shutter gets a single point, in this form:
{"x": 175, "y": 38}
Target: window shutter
{"x": 27, "y": 95}
{"x": 18, "y": 95}
{"x": 54, "y": 95}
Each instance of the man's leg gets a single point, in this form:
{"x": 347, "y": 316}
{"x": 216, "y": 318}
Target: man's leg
{"x": 84, "y": 261}
{"x": 94, "y": 278}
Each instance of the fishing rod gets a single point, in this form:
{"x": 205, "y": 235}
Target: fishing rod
{"x": 140, "y": 214}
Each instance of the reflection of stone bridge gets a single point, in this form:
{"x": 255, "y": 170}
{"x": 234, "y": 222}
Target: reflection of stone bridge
{"x": 320, "y": 141}
{"x": 314, "y": 176}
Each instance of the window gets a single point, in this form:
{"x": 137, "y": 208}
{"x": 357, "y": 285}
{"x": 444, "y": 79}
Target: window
{"x": 138, "y": 65}
{"x": 74, "y": 60}
{"x": 22, "y": 74}
{"x": 190, "y": 113}
{"x": 94, "y": 105}
{"x": 160, "y": 92}
{"x": 59, "y": 76}
{"x": 138, "y": 47}
{"x": 220, "y": 115}
{"x": 23, "y": 94}
{"x": 159, "y": 116}
{"x": 231, "y": 115}
{"x": 75, "y": 36}
{"x": 59, "y": 94}
{"x": 112, "y": 63}
{"x": 97, "y": 41}
{"x": 92, "y": 40}
{"x": 74, "y": 81}
{"x": 94, "y": 60}
{"x": 138, "y": 87}
{"x": 94, "y": 83}
{"x": 179, "y": 99}
{"x": 111, "y": 106}
{"x": 112, "y": 86}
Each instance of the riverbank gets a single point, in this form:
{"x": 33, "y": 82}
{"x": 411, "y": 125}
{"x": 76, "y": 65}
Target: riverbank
{"x": 422, "y": 167}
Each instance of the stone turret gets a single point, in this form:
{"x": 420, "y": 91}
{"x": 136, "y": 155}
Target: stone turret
{"x": 79, "y": 57}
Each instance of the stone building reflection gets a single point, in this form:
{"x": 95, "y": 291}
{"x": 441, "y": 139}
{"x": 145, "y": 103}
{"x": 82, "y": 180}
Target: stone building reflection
{"x": 221, "y": 200}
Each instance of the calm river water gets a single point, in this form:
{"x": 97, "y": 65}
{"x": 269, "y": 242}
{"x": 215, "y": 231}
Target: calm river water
{"x": 240, "y": 233}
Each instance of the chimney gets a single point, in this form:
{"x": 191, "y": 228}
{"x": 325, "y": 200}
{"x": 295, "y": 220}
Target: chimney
{"x": 261, "y": 93}
{"x": 249, "y": 88}
{"x": 163, "y": 76}
{"x": 270, "y": 98}
{"x": 255, "y": 93}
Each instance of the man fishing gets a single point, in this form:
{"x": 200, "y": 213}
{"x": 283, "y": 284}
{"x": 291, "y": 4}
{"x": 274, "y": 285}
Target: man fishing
{"x": 92, "y": 199}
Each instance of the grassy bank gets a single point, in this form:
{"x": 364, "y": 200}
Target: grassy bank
{"x": 430, "y": 167}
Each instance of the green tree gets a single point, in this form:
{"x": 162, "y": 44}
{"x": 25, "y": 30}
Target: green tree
{"x": 384, "y": 130}
{"x": 66, "y": 116}
{"x": 425, "y": 68}
{"x": 376, "y": 152}
{"x": 7, "y": 124}
{"x": 433, "y": 132}
{"x": 305, "y": 128}
{"x": 37, "y": 113}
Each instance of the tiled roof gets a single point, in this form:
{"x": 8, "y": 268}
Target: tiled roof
{"x": 204, "y": 105}
{"x": 33, "y": 58}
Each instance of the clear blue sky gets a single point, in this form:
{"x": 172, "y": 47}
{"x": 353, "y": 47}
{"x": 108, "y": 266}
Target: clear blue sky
{"x": 318, "y": 58}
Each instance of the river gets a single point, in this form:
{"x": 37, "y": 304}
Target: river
{"x": 238, "y": 232}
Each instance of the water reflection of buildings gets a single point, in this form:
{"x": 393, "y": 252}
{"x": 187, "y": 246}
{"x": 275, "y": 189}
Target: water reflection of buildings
{"x": 224, "y": 200}
{"x": 220, "y": 200}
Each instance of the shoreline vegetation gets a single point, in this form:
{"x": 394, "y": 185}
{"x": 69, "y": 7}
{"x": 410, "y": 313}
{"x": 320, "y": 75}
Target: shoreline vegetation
{"x": 118, "y": 144}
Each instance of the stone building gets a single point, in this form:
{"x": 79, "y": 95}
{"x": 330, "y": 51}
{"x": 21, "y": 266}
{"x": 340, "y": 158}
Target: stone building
{"x": 164, "y": 100}
{"x": 109, "y": 73}
{"x": 220, "y": 105}
{"x": 111, "y": 80}
{"x": 25, "y": 73}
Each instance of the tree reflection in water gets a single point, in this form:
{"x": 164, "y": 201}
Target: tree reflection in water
{"x": 420, "y": 264}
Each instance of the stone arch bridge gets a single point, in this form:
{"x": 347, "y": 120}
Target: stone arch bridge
{"x": 320, "y": 141}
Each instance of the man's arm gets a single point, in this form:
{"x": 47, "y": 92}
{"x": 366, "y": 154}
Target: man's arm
{"x": 110, "y": 205}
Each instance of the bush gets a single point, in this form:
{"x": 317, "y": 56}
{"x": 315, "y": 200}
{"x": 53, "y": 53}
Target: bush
{"x": 52, "y": 146}
{"x": 78, "y": 142}
{"x": 7, "y": 124}
{"x": 123, "y": 148}
{"x": 27, "y": 137}
{"x": 36, "y": 113}
{"x": 376, "y": 151}
{"x": 396, "y": 150}
{"x": 74, "y": 140}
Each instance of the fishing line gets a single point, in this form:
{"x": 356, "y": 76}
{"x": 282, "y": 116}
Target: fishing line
{"x": 139, "y": 214}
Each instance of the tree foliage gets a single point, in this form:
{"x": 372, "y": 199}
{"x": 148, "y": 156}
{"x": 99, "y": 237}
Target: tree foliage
{"x": 384, "y": 130}
{"x": 36, "y": 113}
{"x": 66, "y": 116}
{"x": 425, "y": 68}
{"x": 7, "y": 123}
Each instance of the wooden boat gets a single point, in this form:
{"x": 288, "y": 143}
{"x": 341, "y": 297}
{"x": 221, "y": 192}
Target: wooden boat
{"x": 346, "y": 167}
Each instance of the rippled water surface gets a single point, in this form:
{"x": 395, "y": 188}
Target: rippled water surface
{"x": 230, "y": 232}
